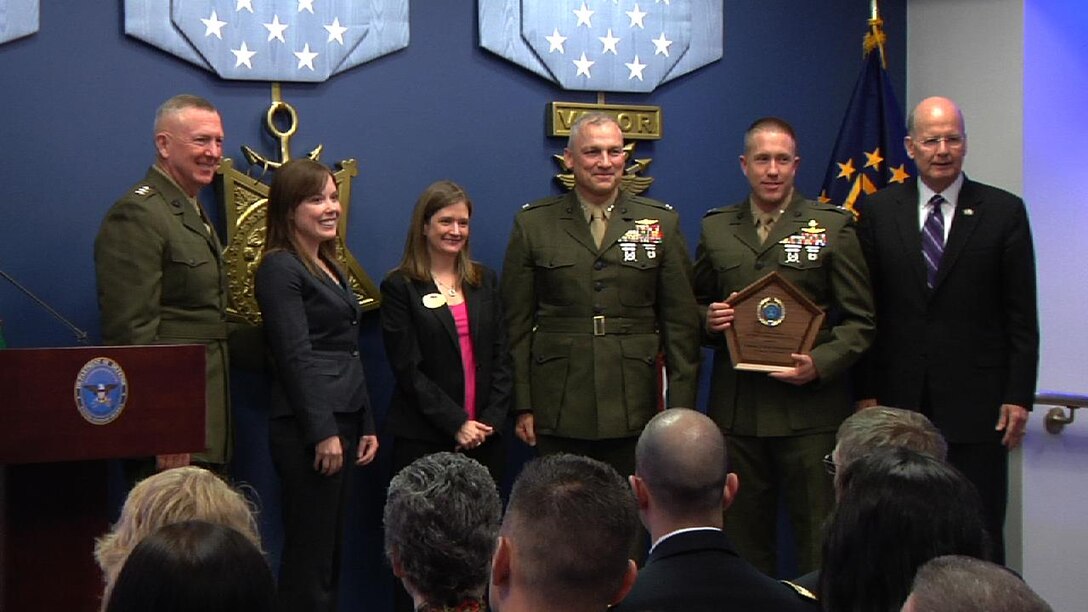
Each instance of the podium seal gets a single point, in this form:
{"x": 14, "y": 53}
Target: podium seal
{"x": 101, "y": 391}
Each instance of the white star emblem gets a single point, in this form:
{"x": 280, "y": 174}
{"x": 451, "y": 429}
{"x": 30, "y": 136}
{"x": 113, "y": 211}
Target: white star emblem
{"x": 243, "y": 55}
{"x": 275, "y": 29}
{"x": 661, "y": 45}
{"x": 212, "y": 25}
{"x": 555, "y": 41}
{"x": 336, "y": 31}
{"x": 243, "y": 4}
{"x": 306, "y": 5}
{"x": 583, "y": 15}
{"x": 636, "y": 17}
{"x": 583, "y": 65}
{"x": 306, "y": 57}
{"x": 636, "y": 69}
{"x": 609, "y": 42}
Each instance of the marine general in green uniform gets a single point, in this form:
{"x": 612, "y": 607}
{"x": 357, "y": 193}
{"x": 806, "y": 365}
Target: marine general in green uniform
{"x": 157, "y": 260}
{"x": 596, "y": 284}
{"x": 781, "y": 425}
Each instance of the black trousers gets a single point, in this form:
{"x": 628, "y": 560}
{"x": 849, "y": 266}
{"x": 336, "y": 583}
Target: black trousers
{"x": 986, "y": 465}
{"x": 313, "y": 516}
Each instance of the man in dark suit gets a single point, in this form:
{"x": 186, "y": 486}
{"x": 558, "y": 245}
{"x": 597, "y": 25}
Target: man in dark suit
{"x": 953, "y": 270}
{"x": 595, "y": 284}
{"x": 683, "y": 486}
{"x": 159, "y": 266}
{"x": 781, "y": 425}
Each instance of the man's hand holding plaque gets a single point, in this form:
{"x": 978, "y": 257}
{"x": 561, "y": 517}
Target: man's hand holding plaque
{"x": 770, "y": 326}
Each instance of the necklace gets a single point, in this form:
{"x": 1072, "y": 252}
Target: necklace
{"x": 448, "y": 290}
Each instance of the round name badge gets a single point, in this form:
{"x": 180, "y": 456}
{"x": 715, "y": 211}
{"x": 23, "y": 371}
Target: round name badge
{"x": 434, "y": 300}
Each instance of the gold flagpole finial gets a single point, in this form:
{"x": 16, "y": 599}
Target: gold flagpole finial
{"x": 875, "y": 37}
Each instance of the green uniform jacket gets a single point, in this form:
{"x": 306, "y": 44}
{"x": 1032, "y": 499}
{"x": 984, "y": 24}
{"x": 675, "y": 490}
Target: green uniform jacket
{"x": 729, "y": 258}
{"x": 593, "y": 378}
{"x": 161, "y": 281}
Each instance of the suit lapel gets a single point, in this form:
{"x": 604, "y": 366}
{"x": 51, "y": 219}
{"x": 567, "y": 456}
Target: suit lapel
{"x": 184, "y": 210}
{"x": 573, "y": 222}
{"x": 342, "y": 289}
{"x": 472, "y": 304}
{"x": 442, "y": 314}
{"x": 789, "y": 222}
{"x": 969, "y": 209}
{"x": 744, "y": 229}
{"x": 909, "y": 234}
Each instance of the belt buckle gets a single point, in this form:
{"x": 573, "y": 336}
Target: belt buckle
{"x": 598, "y": 325}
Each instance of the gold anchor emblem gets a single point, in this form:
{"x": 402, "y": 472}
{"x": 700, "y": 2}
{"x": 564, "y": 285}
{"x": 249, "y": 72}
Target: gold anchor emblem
{"x": 245, "y": 200}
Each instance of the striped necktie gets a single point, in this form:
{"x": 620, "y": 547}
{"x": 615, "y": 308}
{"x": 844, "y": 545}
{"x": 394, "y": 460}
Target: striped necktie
{"x": 933, "y": 239}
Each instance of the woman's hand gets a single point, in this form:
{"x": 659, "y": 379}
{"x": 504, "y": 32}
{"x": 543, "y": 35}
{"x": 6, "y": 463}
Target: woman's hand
{"x": 368, "y": 449}
{"x": 472, "y": 434}
{"x": 329, "y": 456}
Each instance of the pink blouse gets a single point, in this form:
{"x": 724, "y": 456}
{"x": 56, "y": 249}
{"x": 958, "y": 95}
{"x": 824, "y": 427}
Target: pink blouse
{"x": 468, "y": 357}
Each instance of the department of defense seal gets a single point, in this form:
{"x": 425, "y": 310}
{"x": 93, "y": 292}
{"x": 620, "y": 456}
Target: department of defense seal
{"x": 101, "y": 390}
{"x": 771, "y": 311}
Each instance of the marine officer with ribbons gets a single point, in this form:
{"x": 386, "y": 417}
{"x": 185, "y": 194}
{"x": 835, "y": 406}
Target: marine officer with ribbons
{"x": 781, "y": 425}
{"x": 596, "y": 284}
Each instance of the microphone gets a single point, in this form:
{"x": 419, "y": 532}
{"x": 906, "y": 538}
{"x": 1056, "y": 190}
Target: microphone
{"x": 81, "y": 336}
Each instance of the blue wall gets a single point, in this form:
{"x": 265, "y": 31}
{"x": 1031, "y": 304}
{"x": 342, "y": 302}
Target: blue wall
{"x": 76, "y": 110}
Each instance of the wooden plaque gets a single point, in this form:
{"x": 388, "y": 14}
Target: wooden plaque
{"x": 772, "y": 318}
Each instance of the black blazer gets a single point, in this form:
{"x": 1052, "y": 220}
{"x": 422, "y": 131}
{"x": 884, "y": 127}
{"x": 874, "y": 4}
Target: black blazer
{"x": 312, "y": 327}
{"x": 972, "y": 342}
{"x": 424, "y": 351}
{"x": 700, "y": 571}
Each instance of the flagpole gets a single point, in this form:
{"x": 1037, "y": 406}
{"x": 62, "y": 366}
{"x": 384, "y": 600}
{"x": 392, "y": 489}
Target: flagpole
{"x": 875, "y": 38}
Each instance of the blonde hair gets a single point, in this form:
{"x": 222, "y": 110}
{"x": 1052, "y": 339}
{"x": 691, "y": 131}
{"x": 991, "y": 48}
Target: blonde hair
{"x": 172, "y": 496}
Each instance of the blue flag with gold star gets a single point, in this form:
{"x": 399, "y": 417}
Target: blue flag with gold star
{"x": 869, "y": 153}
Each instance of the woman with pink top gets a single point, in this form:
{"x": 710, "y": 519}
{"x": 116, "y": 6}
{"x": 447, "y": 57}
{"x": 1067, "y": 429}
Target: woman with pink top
{"x": 445, "y": 339}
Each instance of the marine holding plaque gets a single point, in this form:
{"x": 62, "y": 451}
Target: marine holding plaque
{"x": 780, "y": 406}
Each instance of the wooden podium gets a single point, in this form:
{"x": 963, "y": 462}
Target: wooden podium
{"x": 53, "y": 484}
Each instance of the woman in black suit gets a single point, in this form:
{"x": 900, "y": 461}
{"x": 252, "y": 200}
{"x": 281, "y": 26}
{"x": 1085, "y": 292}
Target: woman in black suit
{"x": 320, "y": 413}
{"x": 441, "y": 311}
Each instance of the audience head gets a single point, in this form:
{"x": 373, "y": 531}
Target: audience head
{"x": 172, "y": 496}
{"x": 881, "y": 426}
{"x": 442, "y": 518}
{"x": 897, "y": 509}
{"x": 565, "y": 538}
{"x": 955, "y": 583}
{"x": 681, "y": 474}
{"x": 194, "y": 565}
{"x": 188, "y": 141}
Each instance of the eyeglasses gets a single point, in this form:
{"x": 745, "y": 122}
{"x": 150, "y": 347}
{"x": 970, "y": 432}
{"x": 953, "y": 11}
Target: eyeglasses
{"x": 829, "y": 464}
{"x": 953, "y": 142}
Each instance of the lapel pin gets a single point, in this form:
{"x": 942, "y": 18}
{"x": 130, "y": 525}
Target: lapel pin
{"x": 968, "y": 212}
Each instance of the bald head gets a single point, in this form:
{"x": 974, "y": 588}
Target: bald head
{"x": 681, "y": 458}
{"x": 935, "y": 108}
